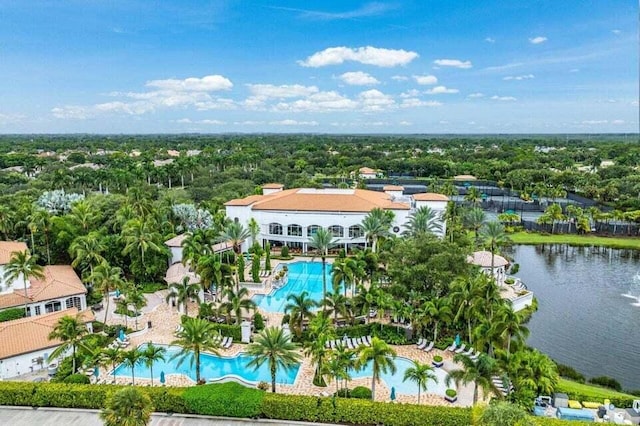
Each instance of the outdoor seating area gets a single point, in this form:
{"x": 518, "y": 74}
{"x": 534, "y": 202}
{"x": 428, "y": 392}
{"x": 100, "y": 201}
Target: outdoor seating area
{"x": 461, "y": 348}
{"x": 425, "y": 344}
{"x": 349, "y": 342}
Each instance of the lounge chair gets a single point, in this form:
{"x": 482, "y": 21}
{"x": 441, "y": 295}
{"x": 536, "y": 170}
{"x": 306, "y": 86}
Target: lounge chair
{"x": 349, "y": 344}
{"x": 324, "y": 394}
{"x": 229, "y": 343}
{"x": 475, "y": 356}
{"x": 368, "y": 338}
{"x": 224, "y": 342}
{"x": 429, "y": 346}
{"x": 423, "y": 345}
{"x": 327, "y": 344}
{"x": 460, "y": 349}
{"x": 452, "y": 347}
{"x": 332, "y": 344}
{"x": 468, "y": 352}
{"x": 420, "y": 342}
{"x": 359, "y": 341}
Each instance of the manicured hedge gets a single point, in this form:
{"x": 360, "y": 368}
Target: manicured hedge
{"x": 583, "y": 392}
{"x": 11, "y": 314}
{"x": 226, "y": 399}
{"x": 353, "y": 411}
{"x": 229, "y": 331}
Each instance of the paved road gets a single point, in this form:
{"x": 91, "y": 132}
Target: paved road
{"x": 14, "y": 416}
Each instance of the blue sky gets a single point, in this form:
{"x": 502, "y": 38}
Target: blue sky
{"x": 491, "y": 66}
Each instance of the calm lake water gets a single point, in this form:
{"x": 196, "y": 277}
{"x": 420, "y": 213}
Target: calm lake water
{"x": 586, "y": 318}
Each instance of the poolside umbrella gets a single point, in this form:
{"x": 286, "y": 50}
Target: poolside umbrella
{"x": 393, "y": 393}
{"x": 162, "y": 379}
{"x": 121, "y": 335}
{"x": 96, "y": 371}
{"x": 457, "y": 340}
{"x": 117, "y": 293}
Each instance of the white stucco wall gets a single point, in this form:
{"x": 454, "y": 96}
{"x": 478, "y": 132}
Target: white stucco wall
{"x": 8, "y": 287}
{"x": 440, "y": 208}
{"x": 23, "y": 364}
{"x": 176, "y": 255}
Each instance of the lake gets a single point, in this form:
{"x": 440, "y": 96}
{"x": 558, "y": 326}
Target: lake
{"x": 585, "y": 317}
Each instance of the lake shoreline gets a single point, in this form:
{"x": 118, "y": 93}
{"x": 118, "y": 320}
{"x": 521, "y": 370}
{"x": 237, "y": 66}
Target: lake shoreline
{"x": 530, "y": 238}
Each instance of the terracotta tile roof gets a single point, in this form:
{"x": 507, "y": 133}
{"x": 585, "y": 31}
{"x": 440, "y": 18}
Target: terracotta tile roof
{"x": 393, "y": 188}
{"x": 272, "y": 186}
{"x": 59, "y": 281}
{"x": 30, "y": 334}
{"x": 177, "y": 272}
{"x": 176, "y": 241}
{"x": 464, "y": 177}
{"x": 483, "y": 258}
{"x": 8, "y": 247}
{"x": 325, "y": 200}
{"x": 430, "y": 196}
{"x": 367, "y": 171}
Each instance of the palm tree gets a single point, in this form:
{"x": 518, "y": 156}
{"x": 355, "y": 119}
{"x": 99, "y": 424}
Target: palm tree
{"x": 420, "y": 374}
{"x": 112, "y": 356}
{"x": 509, "y": 323}
{"x": 152, "y": 354}
{"x": 347, "y": 359}
{"x": 473, "y": 195}
{"x": 127, "y": 407}
{"x": 376, "y": 225}
{"x": 276, "y": 349}
{"x": 183, "y": 292}
{"x": 135, "y": 298}
{"x": 23, "y": 266}
{"x": 300, "y": 307}
{"x": 237, "y": 301}
{"x": 106, "y": 278}
{"x": 323, "y": 240}
{"x": 41, "y": 219}
{"x": 254, "y": 229}
{"x": 344, "y": 271}
{"x": 140, "y": 237}
{"x": 465, "y": 293}
{"x": 71, "y": 331}
{"x": 439, "y": 310}
{"x": 336, "y": 304}
{"x": 193, "y": 247}
{"x": 473, "y": 219}
{"x": 86, "y": 251}
{"x": 479, "y": 372}
{"x": 321, "y": 329}
{"x": 197, "y": 335}
{"x": 494, "y": 236}
{"x": 533, "y": 370}
{"x": 335, "y": 369}
{"x": 130, "y": 359}
{"x": 236, "y": 233}
{"x": 423, "y": 221}
{"x": 381, "y": 355}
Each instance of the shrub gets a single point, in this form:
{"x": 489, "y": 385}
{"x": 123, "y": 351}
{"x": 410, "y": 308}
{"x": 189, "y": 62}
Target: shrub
{"x": 388, "y": 333}
{"x": 509, "y": 281}
{"x": 258, "y": 321}
{"x": 503, "y": 414}
{"x": 569, "y": 373}
{"x": 284, "y": 253}
{"x": 11, "y": 314}
{"x": 234, "y": 331}
{"x": 607, "y": 382}
{"x": 451, "y": 393}
{"x": 152, "y": 287}
{"x": 77, "y": 378}
{"x": 437, "y": 358}
{"x": 263, "y": 386}
{"x": 360, "y": 392}
{"x": 285, "y": 319}
{"x": 227, "y": 399}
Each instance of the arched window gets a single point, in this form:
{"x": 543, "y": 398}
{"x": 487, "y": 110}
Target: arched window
{"x": 312, "y": 229}
{"x": 356, "y": 231}
{"x": 336, "y": 230}
{"x": 73, "y": 302}
{"x": 294, "y": 230}
{"x": 275, "y": 229}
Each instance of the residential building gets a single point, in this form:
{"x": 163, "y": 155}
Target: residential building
{"x": 291, "y": 217}
{"x": 24, "y": 343}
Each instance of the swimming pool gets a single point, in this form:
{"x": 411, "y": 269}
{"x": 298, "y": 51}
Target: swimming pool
{"x": 303, "y": 276}
{"x": 211, "y": 367}
{"x": 408, "y": 387}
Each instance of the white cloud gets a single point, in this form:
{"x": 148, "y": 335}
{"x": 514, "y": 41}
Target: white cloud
{"x": 11, "y": 118}
{"x": 358, "y": 78}
{"x": 617, "y": 122}
{"x": 412, "y": 93}
{"x": 283, "y": 91}
{"x": 519, "y": 77}
{"x": 72, "y": 112}
{"x": 574, "y": 70}
{"x": 249, "y": 123}
{"x": 503, "y": 98}
{"x": 490, "y": 40}
{"x": 634, "y": 103}
{"x": 537, "y": 40}
{"x": 425, "y": 80}
{"x": 205, "y": 121}
{"x": 616, "y": 32}
{"x": 438, "y": 90}
{"x": 400, "y": 78}
{"x": 365, "y": 55}
{"x": 476, "y": 95}
{"x": 456, "y": 63}
{"x": 290, "y": 122}
{"x": 209, "y": 83}
{"x": 590, "y": 122}
{"x": 417, "y": 103}
{"x": 375, "y": 100}
{"x": 319, "y": 102}
{"x": 405, "y": 123}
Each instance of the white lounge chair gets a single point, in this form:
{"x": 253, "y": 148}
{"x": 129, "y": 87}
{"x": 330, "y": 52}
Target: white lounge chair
{"x": 360, "y": 341}
{"x": 368, "y": 339}
{"x": 452, "y": 347}
{"x": 224, "y": 342}
{"x": 229, "y": 343}
{"x": 429, "y": 346}
{"x": 420, "y": 342}
{"x": 475, "y": 356}
{"x": 332, "y": 344}
{"x": 469, "y": 352}
{"x": 460, "y": 349}
{"x": 423, "y": 345}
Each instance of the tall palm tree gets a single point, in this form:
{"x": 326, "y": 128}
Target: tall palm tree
{"x": 336, "y": 370}
{"x": 86, "y": 251}
{"x": 193, "y": 247}
{"x": 82, "y": 217}
{"x": 439, "y": 310}
{"x": 152, "y": 354}
{"x": 106, "y": 278}
{"x": 473, "y": 219}
{"x": 41, "y": 220}
{"x": 183, "y": 292}
{"x": 510, "y": 326}
{"x": 347, "y": 359}
{"x": 494, "y": 236}
{"x": 6, "y": 221}
{"x": 236, "y": 233}
{"x": 336, "y": 304}
{"x": 131, "y": 358}
{"x": 71, "y": 331}
{"x": 237, "y": 301}
{"x": 276, "y": 349}
{"x": 323, "y": 240}
{"x": 479, "y": 372}
{"x": 321, "y": 329}
{"x": 254, "y": 229}
{"x": 534, "y": 370}
{"x": 473, "y": 195}
{"x": 127, "y": 407}
{"x": 197, "y": 335}
{"x": 300, "y": 307}
{"x": 376, "y": 225}
{"x": 420, "y": 374}
{"x": 23, "y": 266}
{"x": 381, "y": 356}
{"x": 465, "y": 294}
{"x": 140, "y": 237}
{"x": 112, "y": 356}
{"x": 423, "y": 221}
{"x": 135, "y": 298}
{"x": 344, "y": 272}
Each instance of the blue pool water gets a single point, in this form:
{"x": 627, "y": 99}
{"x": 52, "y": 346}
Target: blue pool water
{"x": 303, "y": 276}
{"x": 211, "y": 367}
{"x": 408, "y": 387}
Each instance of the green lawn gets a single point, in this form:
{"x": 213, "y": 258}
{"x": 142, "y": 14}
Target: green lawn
{"x": 591, "y": 392}
{"x": 575, "y": 240}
